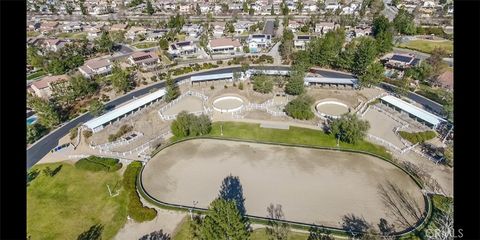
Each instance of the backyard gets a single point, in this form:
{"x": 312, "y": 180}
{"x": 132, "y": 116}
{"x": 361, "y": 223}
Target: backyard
{"x": 427, "y": 46}
{"x": 143, "y": 45}
{"x": 73, "y": 200}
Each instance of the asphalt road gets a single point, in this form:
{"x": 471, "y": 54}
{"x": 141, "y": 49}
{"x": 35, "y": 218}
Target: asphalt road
{"x": 48, "y": 142}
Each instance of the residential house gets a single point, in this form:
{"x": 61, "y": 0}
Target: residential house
{"x": 362, "y": 30}
{"x": 94, "y": 67}
{"x": 43, "y": 87}
{"x": 331, "y": 5}
{"x": 145, "y": 60}
{"x": 46, "y": 27}
{"x": 193, "y": 30}
{"x": 134, "y": 32}
{"x": 445, "y": 80}
{"x": 218, "y": 29}
{"x": 324, "y": 27}
{"x": 242, "y": 26}
{"x": 224, "y": 45}
{"x": 34, "y": 26}
{"x": 156, "y": 34}
{"x": 256, "y": 42}
{"x": 118, "y": 27}
{"x": 294, "y": 25}
{"x": 54, "y": 44}
{"x": 301, "y": 41}
{"x": 400, "y": 61}
{"x": 185, "y": 8}
{"x": 72, "y": 27}
{"x": 183, "y": 48}
{"x": 93, "y": 33}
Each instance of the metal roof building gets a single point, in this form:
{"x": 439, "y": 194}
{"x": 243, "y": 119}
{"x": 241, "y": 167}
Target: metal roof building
{"x": 98, "y": 123}
{"x": 326, "y": 80}
{"x": 268, "y": 72}
{"x": 415, "y": 112}
{"x": 211, "y": 77}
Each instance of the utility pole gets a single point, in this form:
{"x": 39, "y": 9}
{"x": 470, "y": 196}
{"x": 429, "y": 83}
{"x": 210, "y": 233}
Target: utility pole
{"x": 191, "y": 209}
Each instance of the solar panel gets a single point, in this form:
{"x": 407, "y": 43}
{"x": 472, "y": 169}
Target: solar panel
{"x": 142, "y": 58}
{"x": 181, "y": 44}
{"x": 303, "y": 37}
{"x": 401, "y": 58}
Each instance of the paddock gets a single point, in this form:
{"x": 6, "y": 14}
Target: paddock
{"x": 188, "y": 103}
{"x": 312, "y": 185}
{"x": 228, "y": 104}
{"x": 331, "y": 107}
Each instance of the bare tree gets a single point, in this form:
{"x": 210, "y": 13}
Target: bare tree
{"x": 276, "y": 230}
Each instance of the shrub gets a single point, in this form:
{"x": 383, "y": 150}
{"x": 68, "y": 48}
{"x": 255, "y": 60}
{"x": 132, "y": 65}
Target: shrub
{"x": 219, "y": 62}
{"x": 87, "y": 134}
{"x": 299, "y": 108}
{"x": 73, "y": 133}
{"x": 188, "y": 124}
{"x": 417, "y": 137}
{"x": 123, "y": 130}
{"x": 154, "y": 79}
{"x": 240, "y": 86}
{"x": 212, "y": 87}
{"x": 349, "y": 128}
{"x": 225, "y": 86}
{"x": 136, "y": 210}
{"x": 96, "y": 164}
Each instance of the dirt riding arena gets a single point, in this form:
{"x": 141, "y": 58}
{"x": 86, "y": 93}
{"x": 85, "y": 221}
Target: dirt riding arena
{"x": 188, "y": 103}
{"x": 334, "y": 186}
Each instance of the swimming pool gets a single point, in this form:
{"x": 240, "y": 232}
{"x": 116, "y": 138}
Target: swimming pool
{"x": 31, "y": 120}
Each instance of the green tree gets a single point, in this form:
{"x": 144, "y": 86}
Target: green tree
{"x": 198, "y": 10}
{"x": 172, "y": 90}
{"x": 349, "y": 128}
{"x": 286, "y": 44}
{"x": 448, "y": 106}
{"x": 325, "y": 51}
{"x": 163, "y": 44}
{"x": 372, "y": 76}
{"x": 295, "y": 85}
{"x": 120, "y": 79}
{"x": 365, "y": 55}
{"x": 346, "y": 58}
{"x": 35, "y": 132}
{"x": 245, "y": 7}
{"x": 33, "y": 58}
{"x": 262, "y": 83}
{"x": 300, "y": 108}
{"x": 104, "y": 43}
{"x": 436, "y": 61}
{"x": 69, "y": 8}
{"x": 94, "y": 233}
{"x": 403, "y": 22}
{"x": 82, "y": 87}
{"x": 187, "y": 124}
{"x": 272, "y": 11}
{"x": 383, "y": 32}
{"x": 402, "y": 87}
{"x": 251, "y": 11}
{"x": 47, "y": 112}
{"x": 150, "y": 10}
{"x": 300, "y": 6}
{"x": 96, "y": 107}
{"x": 83, "y": 9}
{"x": 223, "y": 221}
{"x": 284, "y": 8}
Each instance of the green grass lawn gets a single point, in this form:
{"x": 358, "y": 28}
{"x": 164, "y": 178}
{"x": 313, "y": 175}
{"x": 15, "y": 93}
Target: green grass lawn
{"x": 69, "y": 203}
{"x": 35, "y": 75}
{"x": 32, "y": 33}
{"x": 427, "y": 46}
{"x": 294, "y": 135}
{"x": 182, "y": 230}
{"x": 143, "y": 45}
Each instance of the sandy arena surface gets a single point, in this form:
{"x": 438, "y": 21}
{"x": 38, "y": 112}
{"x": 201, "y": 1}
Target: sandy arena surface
{"x": 228, "y": 104}
{"x": 332, "y": 109}
{"x": 188, "y": 103}
{"x": 312, "y": 185}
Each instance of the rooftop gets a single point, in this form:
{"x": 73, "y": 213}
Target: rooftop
{"x": 97, "y": 63}
{"x": 413, "y": 110}
{"x": 211, "y": 77}
{"x": 220, "y": 42}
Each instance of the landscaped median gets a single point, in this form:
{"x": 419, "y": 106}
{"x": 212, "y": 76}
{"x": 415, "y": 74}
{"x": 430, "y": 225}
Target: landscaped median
{"x": 294, "y": 137}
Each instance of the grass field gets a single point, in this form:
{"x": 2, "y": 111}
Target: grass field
{"x": 32, "y": 33}
{"x": 427, "y": 46}
{"x": 294, "y": 135}
{"x": 144, "y": 45}
{"x": 182, "y": 233}
{"x": 35, "y": 75}
{"x": 69, "y": 203}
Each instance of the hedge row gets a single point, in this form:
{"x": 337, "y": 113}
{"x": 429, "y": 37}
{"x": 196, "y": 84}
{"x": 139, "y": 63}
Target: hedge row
{"x": 136, "y": 210}
{"x": 96, "y": 164}
{"x": 192, "y": 68}
{"x": 417, "y": 137}
{"x": 123, "y": 129}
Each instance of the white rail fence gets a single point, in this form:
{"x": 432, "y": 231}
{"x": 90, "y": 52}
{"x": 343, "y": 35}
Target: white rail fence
{"x": 139, "y": 151}
{"x": 265, "y": 107}
{"x": 122, "y": 141}
{"x": 204, "y": 98}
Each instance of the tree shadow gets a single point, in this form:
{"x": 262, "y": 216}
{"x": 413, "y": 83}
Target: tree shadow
{"x": 356, "y": 226}
{"x": 94, "y": 233}
{"x": 386, "y": 229}
{"x": 401, "y": 204}
{"x": 56, "y": 170}
{"x": 319, "y": 233}
{"x": 231, "y": 189}
{"x": 32, "y": 175}
{"x": 157, "y": 235}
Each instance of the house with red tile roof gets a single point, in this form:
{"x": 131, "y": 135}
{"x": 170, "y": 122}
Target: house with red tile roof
{"x": 224, "y": 45}
{"x": 95, "y": 67}
{"x": 43, "y": 87}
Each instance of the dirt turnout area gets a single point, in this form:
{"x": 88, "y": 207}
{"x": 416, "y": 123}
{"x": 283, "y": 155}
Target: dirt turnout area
{"x": 188, "y": 103}
{"x": 332, "y": 185}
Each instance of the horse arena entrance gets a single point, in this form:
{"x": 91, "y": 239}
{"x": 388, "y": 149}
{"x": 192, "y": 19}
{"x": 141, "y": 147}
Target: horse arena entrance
{"x": 332, "y": 184}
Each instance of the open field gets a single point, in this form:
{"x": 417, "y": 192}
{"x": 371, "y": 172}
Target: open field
{"x": 78, "y": 35}
{"x": 188, "y": 103}
{"x": 332, "y": 184}
{"x": 294, "y": 135}
{"x": 143, "y": 45}
{"x": 69, "y": 203}
{"x": 427, "y": 46}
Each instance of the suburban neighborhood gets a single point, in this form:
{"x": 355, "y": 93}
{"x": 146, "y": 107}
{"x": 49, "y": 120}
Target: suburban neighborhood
{"x": 239, "y": 119}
